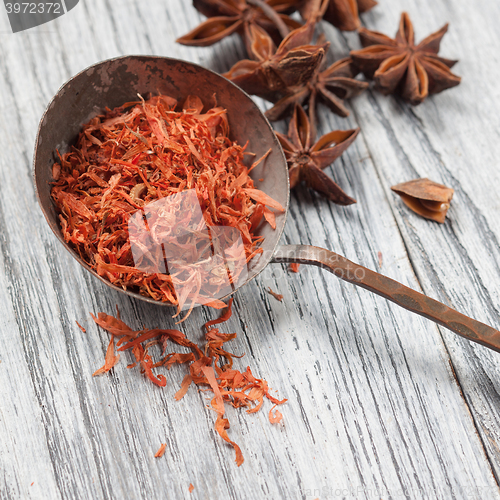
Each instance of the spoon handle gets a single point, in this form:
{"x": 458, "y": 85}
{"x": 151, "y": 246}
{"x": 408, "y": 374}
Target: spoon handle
{"x": 391, "y": 290}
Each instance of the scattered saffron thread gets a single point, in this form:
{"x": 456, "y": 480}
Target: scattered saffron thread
{"x": 211, "y": 366}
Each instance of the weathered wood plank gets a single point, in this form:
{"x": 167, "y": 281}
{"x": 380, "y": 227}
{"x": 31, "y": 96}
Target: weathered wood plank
{"x": 452, "y": 139}
{"x": 374, "y": 406}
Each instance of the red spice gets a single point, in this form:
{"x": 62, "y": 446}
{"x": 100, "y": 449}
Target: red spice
{"x": 81, "y": 327}
{"x": 230, "y": 386}
{"x": 277, "y": 296}
{"x": 110, "y": 359}
{"x": 129, "y": 158}
{"x": 277, "y": 417}
{"x": 224, "y": 317}
{"x": 191, "y": 488}
{"x": 294, "y": 267}
{"x": 160, "y": 451}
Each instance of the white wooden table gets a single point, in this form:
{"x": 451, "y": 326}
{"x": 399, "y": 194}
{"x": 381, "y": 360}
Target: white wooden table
{"x": 381, "y": 403}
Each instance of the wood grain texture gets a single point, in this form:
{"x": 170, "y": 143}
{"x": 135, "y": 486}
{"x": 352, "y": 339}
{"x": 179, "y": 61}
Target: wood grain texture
{"x": 380, "y": 402}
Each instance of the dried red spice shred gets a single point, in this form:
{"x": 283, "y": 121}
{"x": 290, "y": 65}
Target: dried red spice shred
{"x": 142, "y": 152}
{"x": 81, "y": 327}
{"x": 224, "y": 317}
{"x": 206, "y": 368}
{"x": 277, "y": 296}
{"x": 277, "y": 417}
{"x": 161, "y": 451}
{"x": 110, "y": 360}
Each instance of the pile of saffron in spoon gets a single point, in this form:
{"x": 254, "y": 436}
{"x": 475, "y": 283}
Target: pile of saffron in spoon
{"x": 133, "y": 156}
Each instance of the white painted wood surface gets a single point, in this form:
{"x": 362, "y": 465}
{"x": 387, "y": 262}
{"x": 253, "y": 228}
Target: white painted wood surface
{"x": 382, "y": 403}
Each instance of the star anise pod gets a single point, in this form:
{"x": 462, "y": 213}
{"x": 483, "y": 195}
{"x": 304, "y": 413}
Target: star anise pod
{"x": 343, "y": 14}
{"x": 236, "y": 16}
{"x": 306, "y": 159}
{"x": 425, "y": 197}
{"x": 330, "y": 85}
{"x": 399, "y": 66}
{"x": 275, "y": 70}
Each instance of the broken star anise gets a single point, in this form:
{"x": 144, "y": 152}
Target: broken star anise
{"x": 275, "y": 70}
{"x": 330, "y": 85}
{"x": 425, "y": 197}
{"x": 226, "y": 17}
{"x": 343, "y": 14}
{"x": 399, "y": 66}
{"x": 307, "y": 158}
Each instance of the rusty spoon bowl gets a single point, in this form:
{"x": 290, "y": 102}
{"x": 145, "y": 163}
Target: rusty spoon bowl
{"x": 112, "y": 82}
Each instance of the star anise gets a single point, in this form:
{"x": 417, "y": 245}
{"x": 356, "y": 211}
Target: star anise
{"x": 343, "y": 14}
{"x": 306, "y": 160}
{"x": 425, "y": 197}
{"x": 399, "y": 66}
{"x": 274, "y": 70}
{"x": 330, "y": 85}
{"x": 236, "y": 16}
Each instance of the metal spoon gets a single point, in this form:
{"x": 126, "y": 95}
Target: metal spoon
{"x": 115, "y": 81}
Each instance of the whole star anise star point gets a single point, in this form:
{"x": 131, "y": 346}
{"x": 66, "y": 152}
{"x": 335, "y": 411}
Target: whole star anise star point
{"x": 226, "y": 17}
{"x": 274, "y": 70}
{"x": 331, "y": 85}
{"x": 343, "y": 14}
{"x": 306, "y": 159}
{"x": 399, "y": 66}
